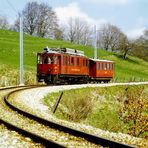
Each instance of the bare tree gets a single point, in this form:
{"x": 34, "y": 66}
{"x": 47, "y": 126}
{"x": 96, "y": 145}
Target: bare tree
{"x": 30, "y": 15}
{"x": 71, "y": 31}
{"x": 78, "y": 31}
{"x": 59, "y": 33}
{"x": 124, "y": 45}
{"x": 30, "y": 18}
{"x": 140, "y": 46}
{"x": 39, "y": 19}
{"x": 47, "y": 21}
{"x": 109, "y": 37}
{"x": 4, "y": 23}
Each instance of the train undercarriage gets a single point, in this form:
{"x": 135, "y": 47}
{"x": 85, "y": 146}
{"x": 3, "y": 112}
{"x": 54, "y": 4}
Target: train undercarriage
{"x": 70, "y": 79}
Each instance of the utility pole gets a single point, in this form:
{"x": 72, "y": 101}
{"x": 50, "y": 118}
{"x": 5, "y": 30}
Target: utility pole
{"x": 95, "y": 43}
{"x": 21, "y": 50}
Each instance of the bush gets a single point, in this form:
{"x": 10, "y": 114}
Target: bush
{"x": 133, "y": 111}
{"x": 76, "y": 108}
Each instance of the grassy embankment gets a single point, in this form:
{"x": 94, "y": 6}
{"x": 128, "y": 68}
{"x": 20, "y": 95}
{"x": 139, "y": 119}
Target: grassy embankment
{"x": 117, "y": 109}
{"x": 132, "y": 69}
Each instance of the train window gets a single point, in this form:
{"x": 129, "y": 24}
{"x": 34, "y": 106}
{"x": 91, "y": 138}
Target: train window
{"x": 68, "y": 60}
{"x": 108, "y": 66}
{"x": 72, "y": 60}
{"x": 77, "y": 61}
{"x": 39, "y": 59}
{"x": 55, "y": 59}
{"x": 63, "y": 60}
{"x": 62, "y": 57}
{"x": 49, "y": 60}
{"x": 87, "y": 63}
{"x": 104, "y": 66}
{"x": 45, "y": 59}
{"x": 84, "y": 62}
{"x": 98, "y": 66}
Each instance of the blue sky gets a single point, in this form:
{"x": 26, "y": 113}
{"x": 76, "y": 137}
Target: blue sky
{"x": 131, "y": 16}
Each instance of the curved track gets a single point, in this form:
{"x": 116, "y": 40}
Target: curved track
{"x": 89, "y": 137}
{"x": 33, "y": 136}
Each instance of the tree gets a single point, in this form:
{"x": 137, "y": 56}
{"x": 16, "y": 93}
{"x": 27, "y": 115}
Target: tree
{"x": 124, "y": 45}
{"x": 78, "y": 31}
{"x": 58, "y": 33}
{"x": 4, "y": 23}
{"x": 30, "y": 16}
{"x": 47, "y": 21}
{"x": 140, "y": 46}
{"x": 134, "y": 110}
{"x": 71, "y": 32}
{"x": 109, "y": 37}
{"x": 39, "y": 19}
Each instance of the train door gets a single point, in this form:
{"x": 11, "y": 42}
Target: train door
{"x": 60, "y": 61}
{"x": 92, "y": 68}
{"x": 62, "y": 64}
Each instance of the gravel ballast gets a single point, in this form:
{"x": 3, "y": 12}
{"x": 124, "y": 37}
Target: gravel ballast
{"x": 31, "y": 101}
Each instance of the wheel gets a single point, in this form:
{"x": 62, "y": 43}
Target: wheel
{"x": 54, "y": 79}
{"x": 46, "y": 81}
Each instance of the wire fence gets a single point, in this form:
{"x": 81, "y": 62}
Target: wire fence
{"x": 15, "y": 81}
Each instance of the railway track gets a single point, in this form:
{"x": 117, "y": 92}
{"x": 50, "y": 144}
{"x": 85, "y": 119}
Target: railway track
{"x": 82, "y": 137}
{"x": 10, "y": 125}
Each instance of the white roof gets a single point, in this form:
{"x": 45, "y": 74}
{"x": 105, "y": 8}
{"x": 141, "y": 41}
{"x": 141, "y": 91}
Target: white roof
{"x": 99, "y": 60}
{"x": 64, "y": 51}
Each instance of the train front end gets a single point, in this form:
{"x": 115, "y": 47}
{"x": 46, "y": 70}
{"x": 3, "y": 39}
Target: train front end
{"x": 47, "y": 66}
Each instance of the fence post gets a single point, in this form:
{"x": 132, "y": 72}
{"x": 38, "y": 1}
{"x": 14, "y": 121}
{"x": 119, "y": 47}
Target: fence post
{"x": 57, "y": 103}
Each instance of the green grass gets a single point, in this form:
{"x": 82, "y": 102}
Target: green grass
{"x": 105, "y": 103}
{"x": 132, "y": 69}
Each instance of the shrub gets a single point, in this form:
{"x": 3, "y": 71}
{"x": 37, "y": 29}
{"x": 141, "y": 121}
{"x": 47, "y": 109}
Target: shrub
{"x": 133, "y": 111}
{"x": 76, "y": 108}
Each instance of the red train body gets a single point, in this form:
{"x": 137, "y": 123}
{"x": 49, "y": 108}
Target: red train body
{"x": 101, "y": 70}
{"x": 71, "y": 66}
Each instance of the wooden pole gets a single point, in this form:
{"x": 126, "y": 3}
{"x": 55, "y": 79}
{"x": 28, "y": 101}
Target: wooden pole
{"x": 57, "y": 103}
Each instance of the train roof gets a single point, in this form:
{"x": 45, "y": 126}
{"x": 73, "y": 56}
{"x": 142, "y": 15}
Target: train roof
{"x": 99, "y": 60}
{"x": 64, "y": 51}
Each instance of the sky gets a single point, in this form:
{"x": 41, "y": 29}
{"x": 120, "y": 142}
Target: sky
{"x": 131, "y": 16}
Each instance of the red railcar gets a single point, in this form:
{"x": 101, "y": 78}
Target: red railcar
{"x": 71, "y": 66}
{"x": 101, "y": 70}
{"x": 62, "y": 65}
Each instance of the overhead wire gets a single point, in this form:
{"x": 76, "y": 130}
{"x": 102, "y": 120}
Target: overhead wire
{"x": 14, "y": 9}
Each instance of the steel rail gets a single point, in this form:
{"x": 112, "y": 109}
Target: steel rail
{"x": 12, "y": 87}
{"x": 89, "y": 137}
{"x": 33, "y": 136}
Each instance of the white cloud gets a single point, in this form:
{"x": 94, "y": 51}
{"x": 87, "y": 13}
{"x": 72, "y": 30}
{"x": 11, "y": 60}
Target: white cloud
{"x": 109, "y": 2}
{"x": 138, "y": 29}
{"x": 135, "y": 33}
{"x": 73, "y": 10}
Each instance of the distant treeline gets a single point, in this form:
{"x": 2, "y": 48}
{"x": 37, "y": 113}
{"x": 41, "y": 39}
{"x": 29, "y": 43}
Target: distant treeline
{"x": 40, "y": 20}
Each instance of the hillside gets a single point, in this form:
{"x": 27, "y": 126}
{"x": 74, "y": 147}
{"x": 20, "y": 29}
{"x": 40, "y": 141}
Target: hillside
{"x": 132, "y": 69}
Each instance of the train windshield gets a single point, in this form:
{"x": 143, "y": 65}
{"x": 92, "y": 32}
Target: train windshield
{"x": 50, "y": 59}
{"x": 39, "y": 59}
